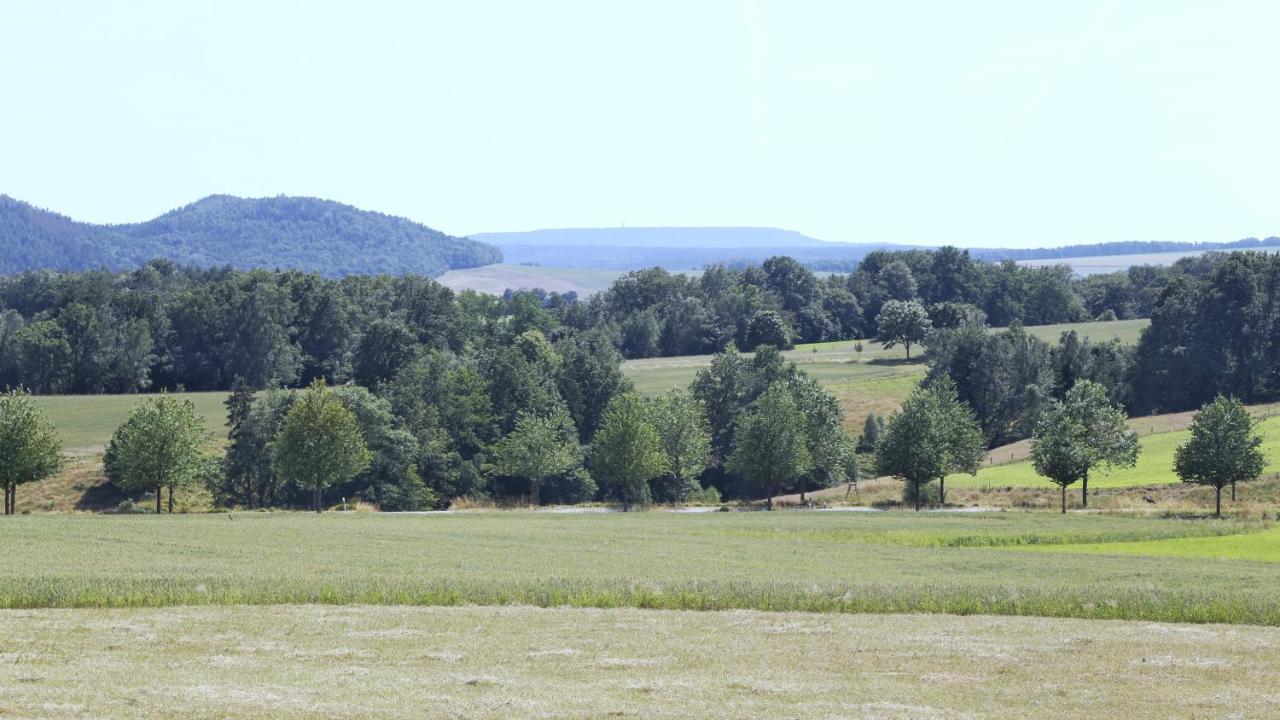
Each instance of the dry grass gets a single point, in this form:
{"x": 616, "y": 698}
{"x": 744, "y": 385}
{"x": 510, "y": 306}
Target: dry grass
{"x": 82, "y": 487}
{"x": 516, "y": 662}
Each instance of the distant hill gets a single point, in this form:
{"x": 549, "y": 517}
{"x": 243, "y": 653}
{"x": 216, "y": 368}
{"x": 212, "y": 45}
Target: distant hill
{"x": 279, "y": 232}
{"x": 674, "y": 248}
{"x": 661, "y": 237}
{"x": 692, "y": 248}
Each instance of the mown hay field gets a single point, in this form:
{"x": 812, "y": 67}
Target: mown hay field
{"x": 524, "y": 662}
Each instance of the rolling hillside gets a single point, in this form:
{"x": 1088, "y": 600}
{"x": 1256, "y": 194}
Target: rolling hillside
{"x": 280, "y": 232}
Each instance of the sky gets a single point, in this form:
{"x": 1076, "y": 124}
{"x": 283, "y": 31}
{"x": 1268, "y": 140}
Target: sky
{"x": 980, "y": 124}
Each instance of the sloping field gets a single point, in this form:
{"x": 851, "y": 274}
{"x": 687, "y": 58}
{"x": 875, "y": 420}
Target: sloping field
{"x": 86, "y": 422}
{"x": 1155, "y": 459}
{"x": 875, "y": 379}
{"x": 524, "y": 662}
{"x": 1093, "y": 265}
{"x": 497, "y": 279}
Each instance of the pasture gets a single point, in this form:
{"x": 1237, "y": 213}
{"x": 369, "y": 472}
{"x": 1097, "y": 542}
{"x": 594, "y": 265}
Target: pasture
{"x": 953, "y": 563}
{"x": 518, "y": 662}
{"x": 1154, "y": 466}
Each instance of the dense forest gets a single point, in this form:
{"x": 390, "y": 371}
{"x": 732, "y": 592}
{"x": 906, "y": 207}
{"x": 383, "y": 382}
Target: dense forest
{"x": 282, "y": 232}
{"x": 453, "y": 393}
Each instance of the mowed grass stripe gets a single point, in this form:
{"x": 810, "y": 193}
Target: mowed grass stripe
{"x": 760, "y": 561}
{"x": 1259, "y": 546}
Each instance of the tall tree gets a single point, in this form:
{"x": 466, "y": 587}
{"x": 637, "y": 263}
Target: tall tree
{"x": 681, "y": 422}
{"x": 1057, "y": 448}
{"x": 319, "y": 444}
{"x": 829, "y": 444}
{"x": 902, "y": 322}
{"x": 539, "y": 447}
{"x": 770, "y": 447}
{"x": 159, "y": 446}
{"x": 30, "y": 450}
{"x": 627, "y": 450}
{"x": 932, "y": 436}
{"x": 1224, "y": 448}
{"x": 1101, "y": 435}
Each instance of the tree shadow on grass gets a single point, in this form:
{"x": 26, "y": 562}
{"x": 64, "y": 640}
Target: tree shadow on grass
{"x": 896, "y": 361}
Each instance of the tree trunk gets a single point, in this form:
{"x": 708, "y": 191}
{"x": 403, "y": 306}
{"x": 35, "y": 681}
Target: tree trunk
{"x": 1217, "y": 502}
{"x": 1233, "y": 491}
{"x": 1064, "y": 499}
{"x": 158, "y": 489}
{"x": 315, "y": 498}
{"x": 908, "y": 347}
{"x": 170, "y": 499}
{"x": 942, "y": 492}
{"x": 534, "y": 487}
{"x": 1084, "y": 492}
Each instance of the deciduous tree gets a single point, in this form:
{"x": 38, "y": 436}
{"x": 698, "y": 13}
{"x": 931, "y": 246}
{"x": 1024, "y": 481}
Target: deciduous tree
{"x": 627, "y": 450}
{"x": 540, "y": 446}
{"x": 1224, "y": 448}
{"x": 319, "y": 444}
{"x": 770, "y": 447}
{"x": 29, "y": 446}
{"x": 902, "y": 322}
{"x": 159, "y": 446}
{"x": 681, "y": 422}
{"x": 932, "y": 436}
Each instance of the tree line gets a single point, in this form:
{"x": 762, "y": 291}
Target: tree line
{"x": 170, "y": 327}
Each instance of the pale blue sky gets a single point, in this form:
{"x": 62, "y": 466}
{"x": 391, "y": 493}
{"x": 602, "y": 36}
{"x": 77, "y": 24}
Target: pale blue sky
{"x": 977, "y": 123}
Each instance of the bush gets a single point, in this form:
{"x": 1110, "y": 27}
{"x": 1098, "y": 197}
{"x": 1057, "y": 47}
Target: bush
{"x": 705, "y": 496}
{"x": 129, "y": 506}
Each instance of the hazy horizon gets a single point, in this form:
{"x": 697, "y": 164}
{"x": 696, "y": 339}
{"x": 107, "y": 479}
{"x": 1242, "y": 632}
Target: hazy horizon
{"x": 997, "y": 124}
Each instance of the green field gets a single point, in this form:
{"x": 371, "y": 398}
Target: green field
{"x": 523, "y": 662}
{"x": 86, "y": 422}
{"x": 824, "y": 562}
{"x": 875, "y": 379}
{"x": 1262, "y": 546}
{"x": 1155, "y": 464}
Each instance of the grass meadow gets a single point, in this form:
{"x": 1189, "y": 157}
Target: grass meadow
{"x": 788, "y": 561}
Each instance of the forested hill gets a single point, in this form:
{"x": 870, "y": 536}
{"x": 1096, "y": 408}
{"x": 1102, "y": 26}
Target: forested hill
{"x": 280, "y": 232}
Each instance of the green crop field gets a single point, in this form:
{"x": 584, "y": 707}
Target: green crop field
{"x": 1155, "y": 463}
{"x": 845, "y": 562}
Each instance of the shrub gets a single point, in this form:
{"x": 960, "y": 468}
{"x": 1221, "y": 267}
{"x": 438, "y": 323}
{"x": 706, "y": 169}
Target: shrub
{"x": 704, "y": 496}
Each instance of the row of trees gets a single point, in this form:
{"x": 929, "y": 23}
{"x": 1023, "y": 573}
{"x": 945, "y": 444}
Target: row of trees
{"x": 935, "y": 434}
{"x": 167, "y": 327}
{"x": 652, "y": 449}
